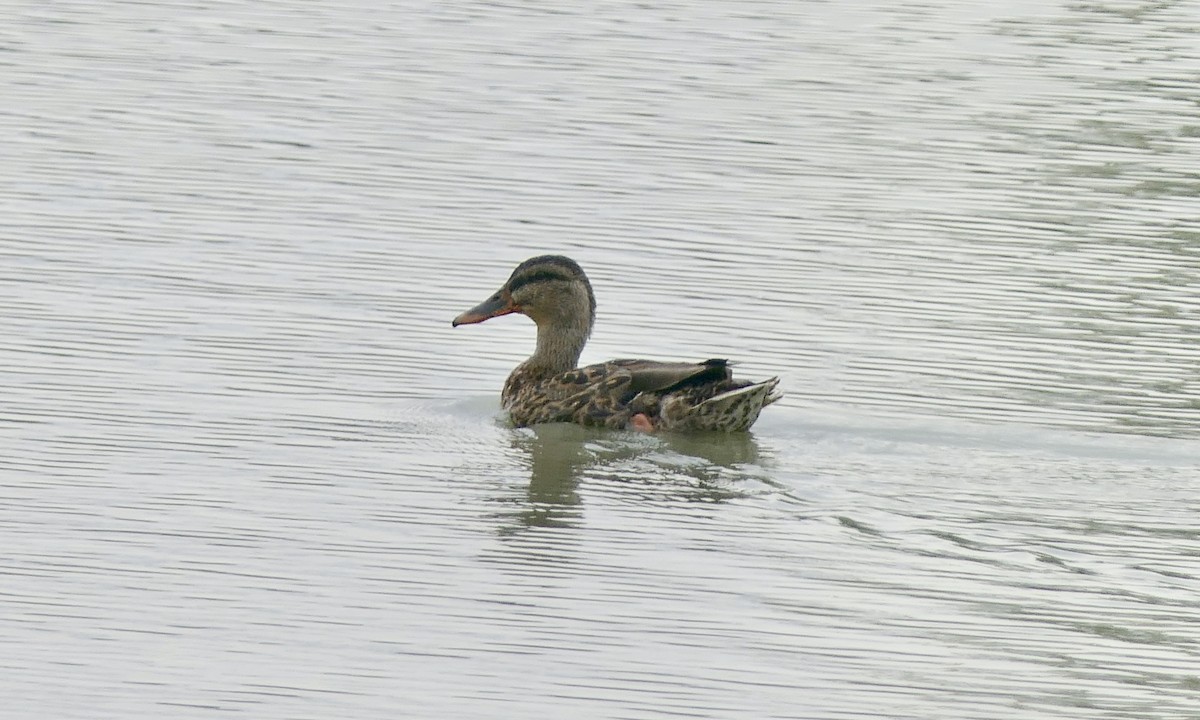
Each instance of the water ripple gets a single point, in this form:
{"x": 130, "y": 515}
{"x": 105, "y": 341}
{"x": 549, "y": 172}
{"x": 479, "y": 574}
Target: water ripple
{"x": 249, "y": 468}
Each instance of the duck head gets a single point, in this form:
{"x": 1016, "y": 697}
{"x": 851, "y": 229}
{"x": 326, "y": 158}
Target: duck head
{"x": 551, "y": 290}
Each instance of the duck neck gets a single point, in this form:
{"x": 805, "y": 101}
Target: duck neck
{"x": 558, "y": 347}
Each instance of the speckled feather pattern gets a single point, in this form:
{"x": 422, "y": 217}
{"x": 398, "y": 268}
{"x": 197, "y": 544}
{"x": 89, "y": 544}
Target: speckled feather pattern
{"x": 606, "y": 395}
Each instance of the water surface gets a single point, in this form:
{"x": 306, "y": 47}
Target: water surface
{"x": 249, "y": 469}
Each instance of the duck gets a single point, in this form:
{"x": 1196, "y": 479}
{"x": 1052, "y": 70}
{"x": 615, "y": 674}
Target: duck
{"x": 642, "y": 395}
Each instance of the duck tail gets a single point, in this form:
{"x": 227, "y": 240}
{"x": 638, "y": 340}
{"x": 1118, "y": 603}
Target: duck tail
{"x": 737, "y": 409}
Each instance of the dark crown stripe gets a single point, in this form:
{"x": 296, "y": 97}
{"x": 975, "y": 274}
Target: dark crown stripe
{"x": 561, "y": 261}
{"x": 536, "y": 277}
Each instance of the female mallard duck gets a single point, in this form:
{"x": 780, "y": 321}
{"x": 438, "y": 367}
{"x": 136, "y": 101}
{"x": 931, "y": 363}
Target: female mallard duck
{"x": 640, "y": 394}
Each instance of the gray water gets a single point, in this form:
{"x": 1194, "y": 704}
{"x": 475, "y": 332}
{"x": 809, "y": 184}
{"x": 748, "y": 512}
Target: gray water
{"x": 247, "y": 469}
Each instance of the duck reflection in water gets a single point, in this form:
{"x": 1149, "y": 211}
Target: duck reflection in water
{"x": 668, "y": 467}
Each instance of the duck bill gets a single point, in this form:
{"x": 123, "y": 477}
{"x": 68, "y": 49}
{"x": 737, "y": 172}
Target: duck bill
{"x": 499, "y": 304}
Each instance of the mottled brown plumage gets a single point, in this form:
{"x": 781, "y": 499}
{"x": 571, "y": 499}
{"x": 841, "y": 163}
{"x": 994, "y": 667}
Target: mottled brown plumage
{"x": 554, "y": 292}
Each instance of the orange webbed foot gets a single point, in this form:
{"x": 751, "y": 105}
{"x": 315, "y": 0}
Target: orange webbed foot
{"x": 641, "y": 423}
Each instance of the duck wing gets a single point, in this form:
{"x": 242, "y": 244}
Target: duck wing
{"x": 695, "y": 396}
{"x": 652, "y": 376}
{"x": 608, "y": 393}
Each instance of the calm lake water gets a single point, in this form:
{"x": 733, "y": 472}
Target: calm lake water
{"x": 249, "y": 470}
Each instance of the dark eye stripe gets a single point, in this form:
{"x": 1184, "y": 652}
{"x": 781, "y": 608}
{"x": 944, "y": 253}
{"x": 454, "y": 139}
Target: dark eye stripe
{"x": 536, "y": 277}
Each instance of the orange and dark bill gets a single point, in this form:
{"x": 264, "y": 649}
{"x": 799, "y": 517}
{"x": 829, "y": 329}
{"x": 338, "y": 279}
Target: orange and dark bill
{"x": 499, "y": 304}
